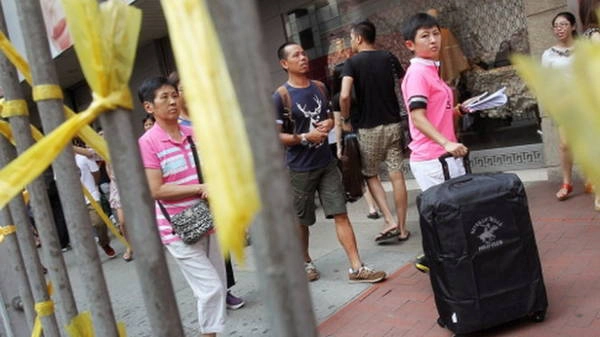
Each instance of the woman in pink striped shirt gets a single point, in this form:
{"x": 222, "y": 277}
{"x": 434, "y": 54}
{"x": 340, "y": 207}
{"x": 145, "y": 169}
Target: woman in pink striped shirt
{"x": 172, "y": 178}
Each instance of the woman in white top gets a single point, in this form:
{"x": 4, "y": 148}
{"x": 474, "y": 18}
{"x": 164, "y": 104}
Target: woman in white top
{"x": 559, "y": 57}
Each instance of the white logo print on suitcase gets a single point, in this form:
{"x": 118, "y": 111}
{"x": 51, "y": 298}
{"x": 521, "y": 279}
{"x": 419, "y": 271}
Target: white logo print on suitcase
{"x": 485, "y": 230}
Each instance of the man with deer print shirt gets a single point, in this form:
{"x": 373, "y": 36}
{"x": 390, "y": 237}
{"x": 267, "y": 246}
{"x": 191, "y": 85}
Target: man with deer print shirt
{"x": 311, "y": 164}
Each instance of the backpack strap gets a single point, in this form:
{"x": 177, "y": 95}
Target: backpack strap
{"x": 285, "y": 99}
{"x": 321, "y": 87}
{"x": 323, "y": 90}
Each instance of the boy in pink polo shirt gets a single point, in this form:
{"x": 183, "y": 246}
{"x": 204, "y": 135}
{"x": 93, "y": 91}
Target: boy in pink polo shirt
{"x": 431, "y": 108}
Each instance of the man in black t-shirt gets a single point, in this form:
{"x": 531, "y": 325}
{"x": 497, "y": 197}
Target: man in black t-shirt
{"x": 311, "y": 164}
{"x": 374, "y": 73}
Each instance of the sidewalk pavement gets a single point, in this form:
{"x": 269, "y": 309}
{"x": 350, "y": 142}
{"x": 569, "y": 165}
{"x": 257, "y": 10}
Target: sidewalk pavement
{"x": 567, "y": 232}
{"x": 568, "y": 238}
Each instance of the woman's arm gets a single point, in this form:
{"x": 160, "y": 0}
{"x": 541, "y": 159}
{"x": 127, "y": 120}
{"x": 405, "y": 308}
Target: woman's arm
{"x": 161, "y": 191}
{"x": 422, "y": 124}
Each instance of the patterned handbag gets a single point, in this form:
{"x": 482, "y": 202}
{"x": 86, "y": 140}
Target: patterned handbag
{"x": 192, "y": 223}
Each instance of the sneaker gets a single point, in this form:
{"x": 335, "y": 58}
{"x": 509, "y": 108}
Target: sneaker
{"x": 109, "y": 251}
{"x": 233, "y": 302}
{"x": 366, "y": 275}
{"x": 422, "y": 264}
{"x": 311, "y": 271}
{"x": 66, "y": 248}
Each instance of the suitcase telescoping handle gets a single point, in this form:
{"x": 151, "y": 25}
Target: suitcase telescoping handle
{"x": 466, "y": 163}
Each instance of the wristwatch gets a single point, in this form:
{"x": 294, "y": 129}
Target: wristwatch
{"x": 345, "y": 119}
{"x": 303, "y": 139}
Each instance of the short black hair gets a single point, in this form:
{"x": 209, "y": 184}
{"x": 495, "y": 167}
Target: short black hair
{"x": 587, "y": 13}
{"x": 174, "y": 78}
{"x": 281, "y": 53}
{"x": 416, "y": 22}
{"x": 148, "y": 117}
{"x": 366, "y": 30}
{"x": 147, "y": 91}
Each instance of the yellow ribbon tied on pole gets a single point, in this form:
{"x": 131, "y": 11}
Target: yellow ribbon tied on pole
{"x": 105, "y": 39}
{"x": 6, "y": 131}
{"x": 227, "y": 163}
{"x": 83, "y": 326}
{"x": 7, "y": 230}
{"x": 572, "y": 97}
{"x": 89, "y": 136}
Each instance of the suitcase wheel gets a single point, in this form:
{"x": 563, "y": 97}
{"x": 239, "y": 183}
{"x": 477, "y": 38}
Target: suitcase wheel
{"x": 538, "y": 316}
{"x": 440, "y": 322}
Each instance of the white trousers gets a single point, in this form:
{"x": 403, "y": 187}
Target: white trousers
{"x": 429, "y": 173}
{"x": 203, "y": 267}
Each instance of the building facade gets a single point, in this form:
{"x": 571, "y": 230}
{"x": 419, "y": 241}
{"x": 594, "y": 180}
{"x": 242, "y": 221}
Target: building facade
{"x": 517, "y": 136}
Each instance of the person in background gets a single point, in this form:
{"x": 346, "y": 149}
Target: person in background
{"x": 311, "y": 164}
{"x": 373, "y": 74}
{"x": 588, "y": 10}
{"x": 115, "y": 205}
{"x": 335, "y": 136}
{"x": 148, "y": 122}
{"x": 89, "y": 175}
{"x": 559, "y": 57}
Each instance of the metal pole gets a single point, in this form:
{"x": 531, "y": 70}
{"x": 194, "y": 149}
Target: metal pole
{"x": 5, "y": 319}
{"x": 138, "y": 208}
{"x": 27, "y": 245}
{"x": 68, "y": 184}
{"x": 276, "y": 243}
{"x": 20, "y": 125}
{"x": 18, "y": 266}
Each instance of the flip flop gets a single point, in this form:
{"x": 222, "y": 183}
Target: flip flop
{"x": 404, "y": 238}
{"x": 374, "y": 215}
{"x": 386, "y": 236}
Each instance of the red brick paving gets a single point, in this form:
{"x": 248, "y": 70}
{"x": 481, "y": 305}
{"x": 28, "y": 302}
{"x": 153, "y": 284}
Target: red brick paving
{"x": 568, "y": 237}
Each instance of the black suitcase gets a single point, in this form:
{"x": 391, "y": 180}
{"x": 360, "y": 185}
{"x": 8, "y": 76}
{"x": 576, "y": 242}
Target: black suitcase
{"x": 484, "y": 263}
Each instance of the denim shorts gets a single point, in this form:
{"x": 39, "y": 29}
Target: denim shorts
{"x": 328, "y": 182}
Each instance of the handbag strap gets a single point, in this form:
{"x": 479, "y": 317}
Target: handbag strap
{"x": 198, "y": 172}
{"x": 196, "y": 160}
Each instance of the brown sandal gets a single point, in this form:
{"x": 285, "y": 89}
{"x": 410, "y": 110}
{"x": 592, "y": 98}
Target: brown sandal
{"x": 564, "y": 192}
{"x": 588, "y": 188}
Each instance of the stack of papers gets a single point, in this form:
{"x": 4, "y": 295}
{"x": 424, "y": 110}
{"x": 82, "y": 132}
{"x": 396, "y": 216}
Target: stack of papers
{"x": 485, "y": 101}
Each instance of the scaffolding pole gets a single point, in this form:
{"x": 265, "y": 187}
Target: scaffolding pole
{"x": 67, "y": 174}
{"x": 17, "y": 265}
{"x": 138, "y": 209}
{"x": 276, "y": 243}
{"x": 31, "y": 260}
{"x": 40, "y": 204}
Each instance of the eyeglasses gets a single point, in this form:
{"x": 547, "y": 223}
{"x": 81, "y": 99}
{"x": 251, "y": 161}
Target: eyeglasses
{"x": 561, "y": 25}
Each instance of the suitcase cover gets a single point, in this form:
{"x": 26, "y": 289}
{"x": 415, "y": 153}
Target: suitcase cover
{"x": 484, "y": 263}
